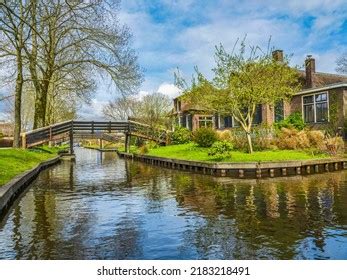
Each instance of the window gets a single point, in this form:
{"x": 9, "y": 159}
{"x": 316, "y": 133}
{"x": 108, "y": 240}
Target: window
{"x": 225, "y": 122}
{"x": 189, "y": 122}
{"x": 178, "y": 105}
{"x": 183, "y": 121}
{"x": 205, "y": 122}
{"x": 228, "y": 122}
{"x": 257, "y": 118}
{"x": 315, "y": 108}
{"x": 279, "y": 111}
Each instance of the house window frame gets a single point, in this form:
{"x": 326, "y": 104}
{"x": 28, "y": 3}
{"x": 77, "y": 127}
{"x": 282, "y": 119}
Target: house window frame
{"x": 203, "y": 119}
{"x": 275, "y": 113}
{"x": 314, "y": 106}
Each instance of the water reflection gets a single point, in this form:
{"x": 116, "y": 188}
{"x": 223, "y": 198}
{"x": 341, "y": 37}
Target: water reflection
{"x": 103, "y": 207}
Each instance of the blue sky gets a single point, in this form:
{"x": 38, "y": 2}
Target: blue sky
{"x": 182, "y": 33}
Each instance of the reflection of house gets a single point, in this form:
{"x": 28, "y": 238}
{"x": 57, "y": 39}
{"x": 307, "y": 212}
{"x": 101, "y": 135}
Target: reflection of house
{"x": 6, "y": 129}
{"x": 323, "y": 100}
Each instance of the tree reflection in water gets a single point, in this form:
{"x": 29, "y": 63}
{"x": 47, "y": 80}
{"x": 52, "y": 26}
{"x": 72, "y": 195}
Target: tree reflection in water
{"x": 103, "y": 207}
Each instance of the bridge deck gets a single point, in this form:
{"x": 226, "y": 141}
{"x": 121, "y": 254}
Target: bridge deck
{"x": 71, "y": 128}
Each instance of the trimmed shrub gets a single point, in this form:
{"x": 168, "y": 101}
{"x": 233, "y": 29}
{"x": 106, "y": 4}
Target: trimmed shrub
{"x": 292, "y": 139}
{"x": 317, "y": 139}
{"x": 181, "y": 135}
{"x": 205, "y": 137}
{"x": 292, "y": 121}
{"x": 225, "y": 135}
{"x": 220, "y": 148}
{"x": 262, "y": 138}
{"x": 335, "y": 145}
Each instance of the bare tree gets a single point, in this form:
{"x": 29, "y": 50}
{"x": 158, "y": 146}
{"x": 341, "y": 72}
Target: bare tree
{"x": 152, "y": 109}
{"x": 77, "y": 34}
{"x": 342, "y": 63}
{"x": 122, "y": 108}
{"x": 155, "y": 109}
{"x": 13, "y": 15}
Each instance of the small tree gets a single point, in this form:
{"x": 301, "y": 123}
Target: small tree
{"x": 342, "y": 63}
{"x": 242, "y": 81}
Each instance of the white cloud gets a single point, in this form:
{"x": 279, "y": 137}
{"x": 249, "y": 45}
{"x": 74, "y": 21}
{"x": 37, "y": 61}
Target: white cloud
{"x": 169, "y": 89}
{"x": 183, "y": 33}
{"x": 92, "y": 111}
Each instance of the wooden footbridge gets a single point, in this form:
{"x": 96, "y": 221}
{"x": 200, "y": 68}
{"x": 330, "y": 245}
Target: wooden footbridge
{"x": 93, "y": 129}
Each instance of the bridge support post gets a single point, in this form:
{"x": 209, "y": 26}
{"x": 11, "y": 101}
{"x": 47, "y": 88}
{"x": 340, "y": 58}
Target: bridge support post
{"x": 127, "y": 143}
{"x": 101, "y": 144}
{"x": 24, "y": 141}
{"x": 71, "y": 142}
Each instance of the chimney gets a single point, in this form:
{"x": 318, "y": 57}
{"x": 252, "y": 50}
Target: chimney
{"x": 310, "y": 67}
{"x": 277, "y": 55}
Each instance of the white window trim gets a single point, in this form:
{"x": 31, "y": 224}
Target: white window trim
{"x": 314, "y": 106}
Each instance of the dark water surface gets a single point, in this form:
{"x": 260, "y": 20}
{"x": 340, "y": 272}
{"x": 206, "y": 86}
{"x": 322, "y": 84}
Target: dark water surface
{"x": 103, "y": 207}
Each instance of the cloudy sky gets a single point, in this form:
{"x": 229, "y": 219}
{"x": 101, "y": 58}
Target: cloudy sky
{"x": 183, "y": 33}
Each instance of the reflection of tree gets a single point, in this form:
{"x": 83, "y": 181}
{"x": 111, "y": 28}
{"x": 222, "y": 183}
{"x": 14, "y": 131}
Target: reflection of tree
{"x": 269, "y": 217}
{"x": 17, "y": 235}
{"x": 126, "y": 241}
{"x": 44, "y": 219}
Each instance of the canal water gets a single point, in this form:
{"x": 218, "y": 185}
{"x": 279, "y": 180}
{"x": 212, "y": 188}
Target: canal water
{"x": 104, "y": 207}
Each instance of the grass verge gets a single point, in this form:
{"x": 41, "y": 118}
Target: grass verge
{"x": 16, "y": 161}
{"x": 191, "y": 151}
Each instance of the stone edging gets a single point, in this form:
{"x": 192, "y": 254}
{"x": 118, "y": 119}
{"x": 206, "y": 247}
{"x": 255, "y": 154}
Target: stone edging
{"x": 246, "y": 169}
{"x": 10, "y": 190}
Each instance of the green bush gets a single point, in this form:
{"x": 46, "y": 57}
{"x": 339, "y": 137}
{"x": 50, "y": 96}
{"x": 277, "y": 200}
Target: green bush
{"x": 181, "y": 135}
{"x": 220, "y": 148}
{"x": 143, "y": 149}
{"x": 294, "y": 120}
{"x": 205, "y": 137}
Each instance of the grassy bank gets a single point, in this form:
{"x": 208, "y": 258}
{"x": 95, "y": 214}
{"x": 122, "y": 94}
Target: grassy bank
{"x": 16, "y": 161}
{"x": 192, "y": 152}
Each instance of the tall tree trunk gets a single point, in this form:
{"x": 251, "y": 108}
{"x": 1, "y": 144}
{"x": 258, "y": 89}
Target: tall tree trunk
{"x": 249, "y": 140}
{"x": 18, "y": 102}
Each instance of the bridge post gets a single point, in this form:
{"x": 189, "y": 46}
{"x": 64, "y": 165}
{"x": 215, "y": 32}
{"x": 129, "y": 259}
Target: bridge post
{"x": 50, "y": 136}
{"x": 101, "y": 144}
{"x": 24, "y": 141}
{"x": 71, "y": 141}
{"x": 127, "y": 143}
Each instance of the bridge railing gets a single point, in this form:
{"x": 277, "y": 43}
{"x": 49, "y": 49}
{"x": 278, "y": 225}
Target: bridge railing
{"x": 147, "y": 131}
{"x": 49, "y": 133}
{"x": 46, "y": 133}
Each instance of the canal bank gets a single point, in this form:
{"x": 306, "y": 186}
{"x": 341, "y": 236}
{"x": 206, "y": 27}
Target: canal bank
{"x": 104, "y": 207}
{"x": 11, "y": 189}
{"x": 245, "y": 169}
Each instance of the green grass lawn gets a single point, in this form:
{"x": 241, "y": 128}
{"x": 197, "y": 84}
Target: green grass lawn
{"x": 193, "y": 152}
{"x": 16, "y": 161}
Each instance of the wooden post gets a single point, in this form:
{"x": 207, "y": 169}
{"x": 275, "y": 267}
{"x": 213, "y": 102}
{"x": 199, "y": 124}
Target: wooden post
{"x": 272, "y": 172}
{"x": 101, "y": 144}
{"x": 71, "y": 142}
{"x": 127, "y": 143}
{"x": 284, "y": 171}
{"x": 24, "y": 141}
{"x": 50, "y": 137}
{"x": 298, "y": 170}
